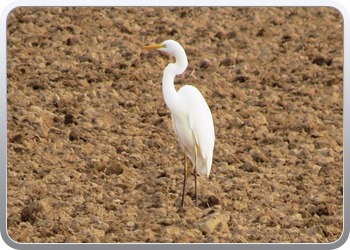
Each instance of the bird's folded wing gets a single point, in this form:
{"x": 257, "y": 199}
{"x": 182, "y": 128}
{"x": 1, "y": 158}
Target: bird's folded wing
{"x": 201, "y": 124}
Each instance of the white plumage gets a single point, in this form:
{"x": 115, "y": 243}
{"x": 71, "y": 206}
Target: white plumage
{"x": 191, "y": 116}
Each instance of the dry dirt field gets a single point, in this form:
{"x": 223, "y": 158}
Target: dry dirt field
{"x": 91, "y": 152}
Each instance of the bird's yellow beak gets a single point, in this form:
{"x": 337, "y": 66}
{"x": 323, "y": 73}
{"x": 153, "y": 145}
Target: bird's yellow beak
{"x": 154, "y": 46}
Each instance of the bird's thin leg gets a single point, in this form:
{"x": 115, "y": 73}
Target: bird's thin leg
{"x": 185, "y": 177}
{"x": 195, "y": 173}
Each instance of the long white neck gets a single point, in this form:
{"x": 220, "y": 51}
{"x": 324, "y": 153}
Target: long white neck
{"x": 171, "y": 97}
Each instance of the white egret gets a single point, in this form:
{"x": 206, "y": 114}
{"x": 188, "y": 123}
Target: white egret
{"x": 190, "y": 114}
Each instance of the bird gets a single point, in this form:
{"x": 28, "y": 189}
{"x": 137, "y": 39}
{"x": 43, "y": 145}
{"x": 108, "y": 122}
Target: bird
{"x": 190, "y": 114}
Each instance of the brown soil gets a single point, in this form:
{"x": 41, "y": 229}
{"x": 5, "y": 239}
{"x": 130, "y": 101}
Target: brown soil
{"x": 92, "y": 156}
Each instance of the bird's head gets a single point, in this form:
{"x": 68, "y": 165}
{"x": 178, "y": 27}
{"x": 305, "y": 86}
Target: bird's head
{"x": 175, "y": 49}
{"x": 169, "y": 46}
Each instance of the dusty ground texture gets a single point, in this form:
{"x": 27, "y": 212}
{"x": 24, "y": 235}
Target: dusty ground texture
{"x": 92, "y": 156}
